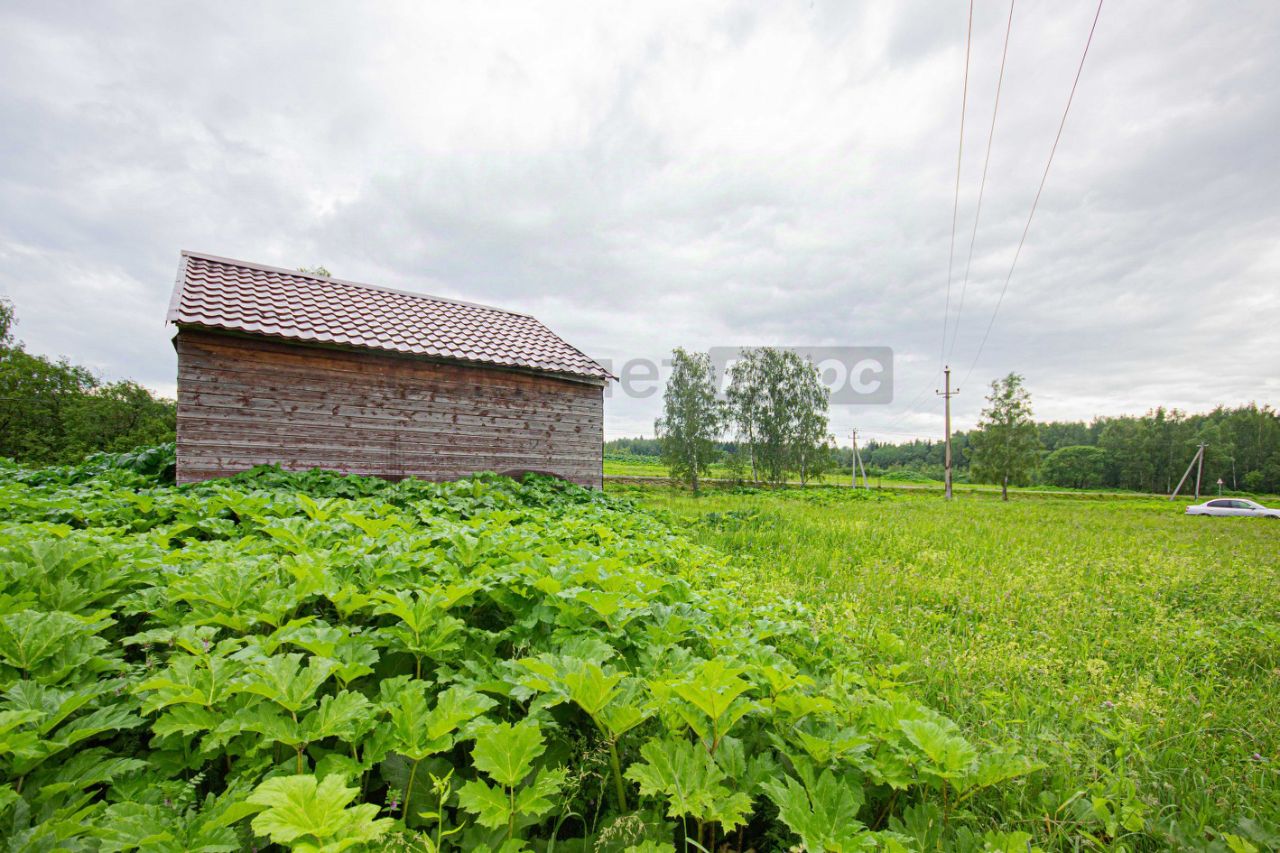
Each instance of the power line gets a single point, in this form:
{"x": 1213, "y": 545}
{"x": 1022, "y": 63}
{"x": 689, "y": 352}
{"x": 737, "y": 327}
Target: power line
{"x": 919, "y": 435}
{"x": 986, "y": 161}
{"x": 1043, "y": 178}
{"x": 914, "y": 404}
{"x": 955, "y": 207}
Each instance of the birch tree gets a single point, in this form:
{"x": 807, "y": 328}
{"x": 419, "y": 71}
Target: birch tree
{"x": 692, "y": 418}
{"x": 745, "y": 398}
{"x": 779, "y": 407}
{"x": 809, "y": 440}
{"x": 1006, "y": 445}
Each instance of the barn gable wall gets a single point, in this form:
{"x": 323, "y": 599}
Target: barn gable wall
{"x": 246, "y": 401}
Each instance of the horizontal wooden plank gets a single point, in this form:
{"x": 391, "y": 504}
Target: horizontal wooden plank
{"x": 280, "y": 356}
{"x": 415, "y": 422}
{"x": 229, "y": 422}
{"x": 241, "y": 374}
{"x": 199, "y": 475}
{"x": 243, "y": 402}
{"x": 237, "y": 457}
{"x": 287, "y": 437}
{"x": 232, "y": 459}
{"x": 291, "y": 402}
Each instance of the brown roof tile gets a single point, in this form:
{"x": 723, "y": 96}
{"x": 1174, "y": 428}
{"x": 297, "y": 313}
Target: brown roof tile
{"x": 245, "y": 297}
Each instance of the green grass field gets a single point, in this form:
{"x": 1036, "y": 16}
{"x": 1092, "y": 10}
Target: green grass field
{"x": 645, "y": 468}
{"x": 1133, "y": 650}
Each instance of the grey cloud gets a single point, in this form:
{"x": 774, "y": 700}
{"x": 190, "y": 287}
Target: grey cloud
{"x": 645, "y": 176}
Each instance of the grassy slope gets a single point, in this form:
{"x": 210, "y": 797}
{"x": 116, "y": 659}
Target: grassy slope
{"x": 1133, "y": 649}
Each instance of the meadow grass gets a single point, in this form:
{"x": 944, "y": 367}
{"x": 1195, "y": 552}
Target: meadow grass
{"x": 1132, "y": 649}
{"x": 646, "y": 468}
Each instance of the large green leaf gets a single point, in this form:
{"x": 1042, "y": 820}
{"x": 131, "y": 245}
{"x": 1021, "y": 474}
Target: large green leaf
{"x": 534, "y": 799}
{"x": 48, "y": 646}
{"x": 489, "y": 803}
{"x": 947, "y": 755}
{"x": 685, "y": 774}
{"x": 313, "y": 816}
{"x": 342, "y": 715}
{"x": 284, "y": 680}
{"x": 494, "y": 807}
{"x": 506, "y": 752}
{"x": 823, "y": 812}
{"x": 417, "y": 732}
{"x": 155, "y": 829}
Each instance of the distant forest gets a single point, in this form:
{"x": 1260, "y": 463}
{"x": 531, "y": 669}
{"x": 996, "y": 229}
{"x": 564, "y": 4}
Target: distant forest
{"x": 56, "y": 412}
{"x": 1147, "y": 453}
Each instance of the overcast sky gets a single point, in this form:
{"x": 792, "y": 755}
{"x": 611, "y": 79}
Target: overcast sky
{"x": 647, "y": 175}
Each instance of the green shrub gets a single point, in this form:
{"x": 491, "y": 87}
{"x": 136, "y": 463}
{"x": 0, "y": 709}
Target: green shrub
{"x": 328, "y": 662}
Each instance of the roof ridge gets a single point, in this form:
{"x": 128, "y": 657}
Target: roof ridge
{"x": 254, "y": 265}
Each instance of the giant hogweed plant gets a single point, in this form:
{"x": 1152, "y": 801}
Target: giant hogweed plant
{"x": 324, "y": 663}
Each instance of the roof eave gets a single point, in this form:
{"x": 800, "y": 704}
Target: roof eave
{"x": 584, "y": 378}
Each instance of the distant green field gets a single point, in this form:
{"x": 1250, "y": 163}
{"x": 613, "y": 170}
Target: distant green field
{"x": 635, "y": 468}
{"x": 616, "y": 468}
{"x": 1134, "y": 650}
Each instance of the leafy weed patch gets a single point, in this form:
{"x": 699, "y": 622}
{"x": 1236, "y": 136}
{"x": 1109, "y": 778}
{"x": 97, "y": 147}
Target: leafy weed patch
{"x": 325, "y": 663}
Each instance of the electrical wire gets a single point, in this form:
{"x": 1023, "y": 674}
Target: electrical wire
{"x": 986, "y": 161}
{"x": 1043, "y": 178}
{"x": 914, "y": 404}
{"x": 955, "y": 207}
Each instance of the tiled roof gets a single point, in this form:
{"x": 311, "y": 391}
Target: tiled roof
{"x": 220, "y": 293}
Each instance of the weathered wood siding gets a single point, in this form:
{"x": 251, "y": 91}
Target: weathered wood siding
{"x": 249, "y": 401}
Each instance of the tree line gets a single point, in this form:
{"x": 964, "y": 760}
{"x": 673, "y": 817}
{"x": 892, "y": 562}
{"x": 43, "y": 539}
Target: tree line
{"x": 1147, "y": 453}
{"x": 54, "y": 412}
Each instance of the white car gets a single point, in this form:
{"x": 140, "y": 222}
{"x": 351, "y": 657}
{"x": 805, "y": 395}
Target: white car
{"x": 1232, "y": 506}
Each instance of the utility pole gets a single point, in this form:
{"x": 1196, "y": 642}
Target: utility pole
{"x": 947, "y": 395}
{"x": 1199, "y": 468}
{"x": 1197, "y": 462}
{"x": 853, "y": 460}
{"x": 856, "y": 463}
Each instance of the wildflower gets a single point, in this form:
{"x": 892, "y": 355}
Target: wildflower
{"x": 1108, "y": 704}
{"x": 1257, "y": 757}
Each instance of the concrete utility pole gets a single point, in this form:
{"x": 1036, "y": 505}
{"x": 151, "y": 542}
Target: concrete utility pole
{"x": 1197, "y": 462}
{"x": 856, "y": 463}
{"x": 853, "y": 460}
{"x": 947, "y": 395}
{"x": 1199, "y": 468}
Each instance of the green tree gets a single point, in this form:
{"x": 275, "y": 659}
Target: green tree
{"x": 6, "y": 323}
{"x": 1005, "y": 447}
{"x": 809, "y": 440}
{"x": 38, "y": 395}
{"x": 118, "y": 416}
{"x": 1076, "y": 466}
{"x": 692, "y": 418}
{"x": 54, "y": 411}
{"x": 745, "y": 398}
{"x": 780, "y": 408}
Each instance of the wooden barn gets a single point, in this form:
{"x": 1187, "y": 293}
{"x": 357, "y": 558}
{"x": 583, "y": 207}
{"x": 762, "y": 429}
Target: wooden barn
{"x": 277, "y": 366}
